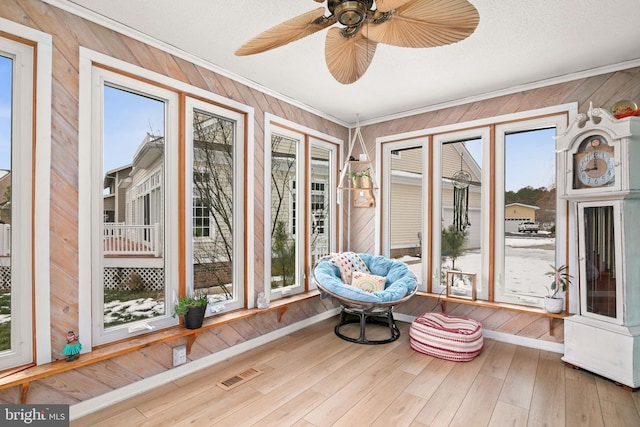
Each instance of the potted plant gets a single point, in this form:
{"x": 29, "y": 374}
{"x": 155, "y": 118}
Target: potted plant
{"x": 561, "y": 280}
{"x": 192, "y": 308}
{"x": 354, "y": 177}
{"x": 360, "y": 179}
{"x": 365, "y": 178}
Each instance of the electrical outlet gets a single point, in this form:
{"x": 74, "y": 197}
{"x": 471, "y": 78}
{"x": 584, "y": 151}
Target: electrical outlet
{"x": 179, "y": 355}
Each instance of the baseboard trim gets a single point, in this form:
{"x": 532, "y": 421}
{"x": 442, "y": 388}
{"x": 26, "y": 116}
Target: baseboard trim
{"x": 502, "y": 337}
{"x": 105, "y": 400}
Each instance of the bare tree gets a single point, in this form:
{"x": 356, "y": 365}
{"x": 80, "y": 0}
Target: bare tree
{"x": 213, "y": 167}
{"x": 283, "y": 188}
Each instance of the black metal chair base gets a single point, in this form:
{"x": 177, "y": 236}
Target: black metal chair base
{"x": 383, "y": 317}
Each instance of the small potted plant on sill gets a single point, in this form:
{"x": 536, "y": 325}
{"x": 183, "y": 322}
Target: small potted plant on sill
{"x": 553, "y": 302}
{"x": 192, "y": 308}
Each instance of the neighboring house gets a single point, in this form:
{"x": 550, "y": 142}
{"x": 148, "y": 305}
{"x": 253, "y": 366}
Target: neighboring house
{"x": 515, "y": 213}
{"x": 5, "y": 229}
{"x": 132, "y": 229}
{"x": 5, "y": 195}
{"x": 133, "y": 203}
{"x": 133, "y": 212}
{"x": 406, "y": 193}
{"x": 116, "y": 182}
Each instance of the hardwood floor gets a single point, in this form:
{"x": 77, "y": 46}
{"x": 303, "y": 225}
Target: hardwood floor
{"x": 313, "y": 378}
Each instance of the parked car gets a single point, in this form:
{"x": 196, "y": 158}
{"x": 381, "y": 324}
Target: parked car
{"x": 528, "y": 227}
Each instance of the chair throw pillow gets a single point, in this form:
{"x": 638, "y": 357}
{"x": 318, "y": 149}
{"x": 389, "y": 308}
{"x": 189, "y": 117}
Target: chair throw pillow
{"x": 368, "y": 282}
{"x": 348, "y": 263}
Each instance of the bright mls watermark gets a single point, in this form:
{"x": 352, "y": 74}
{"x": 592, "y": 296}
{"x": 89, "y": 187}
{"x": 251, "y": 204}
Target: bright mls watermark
{"x": 34, "y": 415}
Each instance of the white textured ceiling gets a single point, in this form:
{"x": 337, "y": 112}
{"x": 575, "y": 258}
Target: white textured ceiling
{"x": 517, "y": 43}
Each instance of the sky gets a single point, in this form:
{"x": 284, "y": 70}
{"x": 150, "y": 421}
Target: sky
{"x": 530, "y": 159}
{"x": 127, "y": 119}
{"x": 5, "y": 113}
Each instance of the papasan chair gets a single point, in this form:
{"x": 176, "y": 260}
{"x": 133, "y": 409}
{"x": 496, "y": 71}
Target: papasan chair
{"x": 367, "y": 287}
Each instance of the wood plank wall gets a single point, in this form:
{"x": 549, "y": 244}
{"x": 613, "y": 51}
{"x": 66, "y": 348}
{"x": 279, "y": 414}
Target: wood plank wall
{"x": 69, "y": 32}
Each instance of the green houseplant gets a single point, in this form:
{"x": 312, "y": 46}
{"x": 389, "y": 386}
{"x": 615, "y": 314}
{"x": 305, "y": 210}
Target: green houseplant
{"x": 360, "y": 179}
{"x": 561, "y": 281}
{"x": 192, "y": 308}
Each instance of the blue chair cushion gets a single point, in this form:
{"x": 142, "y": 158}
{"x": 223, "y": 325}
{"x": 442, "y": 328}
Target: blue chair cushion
{"x": 400, "y": 279}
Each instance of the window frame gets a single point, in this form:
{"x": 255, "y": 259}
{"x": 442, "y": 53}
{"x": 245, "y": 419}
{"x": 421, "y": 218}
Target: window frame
{"x": 385, "y": 152}
{"x": 31, "y": 121}
{"x": 559, "y": 115}
{"x": 306, "y": 138}
{"x": 238, "y": 118}
{"x": 296, "y": 200}
{"x": 484, "y": 134}
{"x": 560, "y": 123}
{"x": 101, "y": 77}
{"x": 331, "y": 232}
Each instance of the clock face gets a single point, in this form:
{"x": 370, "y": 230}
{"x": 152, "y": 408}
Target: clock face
{"x": 596, "y": 168}
{"x": 594, "y": 163}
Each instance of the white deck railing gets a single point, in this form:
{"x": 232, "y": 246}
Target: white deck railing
{"x": 5, "y": 239}
{"x": 127, "y": 239}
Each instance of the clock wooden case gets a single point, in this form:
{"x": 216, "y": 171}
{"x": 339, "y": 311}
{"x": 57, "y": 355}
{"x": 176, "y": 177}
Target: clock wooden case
{"x": 599, "y": 158}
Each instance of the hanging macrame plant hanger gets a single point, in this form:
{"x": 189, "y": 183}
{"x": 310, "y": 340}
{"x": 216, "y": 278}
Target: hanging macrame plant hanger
{"x": 363, "y": 197}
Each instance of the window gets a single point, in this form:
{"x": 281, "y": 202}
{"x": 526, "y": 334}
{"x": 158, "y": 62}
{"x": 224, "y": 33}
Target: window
{"x": 214, "y": 257}
{"x": 302, "y": 173}
{"x": 201, "y": 218}
{"x": 403, "y": 187}
{"x": 131, "y": 172}
{"x": 528, "y": 216}
{"x": 459, "y": 194}
{"x": 492, "y": 209}
{"x": 286, "y": 149}
{"x": 133, "y": 152}
{"x": 135, "y": 207}
{"x": 322, "y": 203}
{"x": 23, "y": 206}
{"x": 293, "y": 211}
{"x": 318, "y": 207}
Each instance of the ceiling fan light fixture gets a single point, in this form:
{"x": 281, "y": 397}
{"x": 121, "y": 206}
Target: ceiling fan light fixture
{"x": 350, "y": 13}
{"x": 349, "y": 50}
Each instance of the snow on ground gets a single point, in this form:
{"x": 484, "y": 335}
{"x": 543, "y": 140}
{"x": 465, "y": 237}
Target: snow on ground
{"x": 125, "y": 311}
{"x": 527, "y": 259}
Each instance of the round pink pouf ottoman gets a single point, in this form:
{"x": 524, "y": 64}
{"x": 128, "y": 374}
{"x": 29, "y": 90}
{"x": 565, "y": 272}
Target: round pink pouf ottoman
{"x": 446, "y": 337}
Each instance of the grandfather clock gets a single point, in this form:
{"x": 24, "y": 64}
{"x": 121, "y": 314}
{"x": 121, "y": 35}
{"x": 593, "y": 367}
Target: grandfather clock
{"x": 602, "y": 165}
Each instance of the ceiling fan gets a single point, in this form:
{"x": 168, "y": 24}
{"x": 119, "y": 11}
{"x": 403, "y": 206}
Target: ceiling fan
{"x": 349, "y": 48}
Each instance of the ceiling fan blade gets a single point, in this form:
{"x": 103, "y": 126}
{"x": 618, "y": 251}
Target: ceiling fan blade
{"x": 387, "y": 5}
{"x": 348, "y": 58}
{"x": 286, "y": 32}
{"x": 426, "y": 23}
